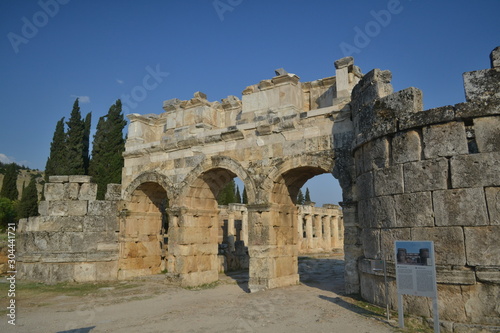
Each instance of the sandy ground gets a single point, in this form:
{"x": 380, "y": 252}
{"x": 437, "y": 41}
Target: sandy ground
{"x": 155, "y": 305}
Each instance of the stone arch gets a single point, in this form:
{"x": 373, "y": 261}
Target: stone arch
{"x": 214, "y": 172}
{"x": 286, "y": 179}
{"x": 149, "y": 177}
{"x": 144, "y": 226}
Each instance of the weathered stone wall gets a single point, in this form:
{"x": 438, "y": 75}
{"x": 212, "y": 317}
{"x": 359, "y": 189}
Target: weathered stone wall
{"x": 75, "y": 238}
{"x": 430, "y": 175}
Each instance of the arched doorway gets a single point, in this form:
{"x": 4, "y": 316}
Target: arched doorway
{"x": 144, "y": 232}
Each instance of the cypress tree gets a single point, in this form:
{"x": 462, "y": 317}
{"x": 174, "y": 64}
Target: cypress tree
{"x": 300, "y": 198}
{"x": 244, "y": 198}
{"x": 7, "y": 213}
{"x": 228, "y": 194}
{"x": 107, "y": 148}
{"x": 307, "y": 198}
{"x": 86, "y": 142}
{"x": 238, "y": 195}
{"x": 74, "y": 143}
{"x": 28, "y": 206}
{"x": 9, "y": 186}
{"x": 56, "y": 162}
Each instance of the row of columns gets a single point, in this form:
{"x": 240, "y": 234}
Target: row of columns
{"x": 319, "y": 232}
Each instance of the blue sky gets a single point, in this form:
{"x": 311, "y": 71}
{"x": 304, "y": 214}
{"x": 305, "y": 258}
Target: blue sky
{"x": 102, "y": 50}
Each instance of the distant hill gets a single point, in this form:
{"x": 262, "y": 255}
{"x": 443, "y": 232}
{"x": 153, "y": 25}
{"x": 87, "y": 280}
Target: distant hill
{"x": 23, "y": 178}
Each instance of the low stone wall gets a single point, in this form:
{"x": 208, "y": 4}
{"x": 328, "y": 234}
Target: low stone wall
{"x": 432, "y": 175}
{"x": 75, "y": 238}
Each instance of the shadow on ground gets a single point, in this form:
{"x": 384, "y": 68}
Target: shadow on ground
{"x": 325, "y": 273}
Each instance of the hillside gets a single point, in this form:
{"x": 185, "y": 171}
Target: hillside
{"x": 23, "y": 179}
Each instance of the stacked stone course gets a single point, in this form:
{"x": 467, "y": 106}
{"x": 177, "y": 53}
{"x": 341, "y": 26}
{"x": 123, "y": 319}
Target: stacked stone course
{"x": 431, "y": 175}
{"x": 75, "y": 238}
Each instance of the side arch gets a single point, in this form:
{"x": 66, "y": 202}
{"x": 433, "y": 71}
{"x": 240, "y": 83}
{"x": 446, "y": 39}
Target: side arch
{"x": 149, "y": 177}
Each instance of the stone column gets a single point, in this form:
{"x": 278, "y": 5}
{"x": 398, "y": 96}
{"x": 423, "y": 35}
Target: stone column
{"x": 335, "y": 231}
{"x": 231, "y": 232}
{"x": 309, "y": 231}
{"x": 353, "y": 250}
{"x": 327, "y": 236}
{"x": 300, "y": 229}
{"x": 192, "y": 246}
{"x": 317, "y": 226}
{"x": 244, "y": 226}
{"x": 272, "y": 247}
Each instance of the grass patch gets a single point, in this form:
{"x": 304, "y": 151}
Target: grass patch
{"x": 211, "y": 285}
{"x": 65, "y": 288}
{"x": 3, "y": 239}
{"x": 412, "y": 324}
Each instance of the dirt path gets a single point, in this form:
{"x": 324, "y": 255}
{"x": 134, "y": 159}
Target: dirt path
{"x": 155, "y": 305}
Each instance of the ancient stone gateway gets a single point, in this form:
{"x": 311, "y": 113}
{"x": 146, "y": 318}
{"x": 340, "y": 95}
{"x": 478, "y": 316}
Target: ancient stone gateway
{"x": 275, "y": 139}
{"x": 405, "y": 173}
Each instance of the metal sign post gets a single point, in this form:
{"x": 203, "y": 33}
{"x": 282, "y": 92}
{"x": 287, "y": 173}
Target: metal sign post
{"x": 416, "y": 274}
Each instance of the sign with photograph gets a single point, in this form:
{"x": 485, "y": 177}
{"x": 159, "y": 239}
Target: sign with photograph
{"x": 415, "y": 268}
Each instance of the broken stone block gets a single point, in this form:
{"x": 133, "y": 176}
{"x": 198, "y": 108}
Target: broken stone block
{"x": 344, "y": 62}
{"x": 493, "y": 200}
{"x": 67, "y": 208}
{"x": 406, "y": 147}
{"x": 482, "y": 247}
{"x": 113, "y": 192}
{"x": 495, "y": 57}
{"x": 389, "y": 180}
{"x": 460, "y": 207}
{"x": 88, "y": 191}
{"x": 79, "y": 179}
{"x": 414, "y": 209}
{"x": 445, "y": 140}
{"x": 376, "y": 154}
{"x": 487, "y": 132}
{"x": 482, "y": 85}
{"x": 448, "y": 243}
{"x": 54, "y": 191}
{"x": 475, "y": 170}
{"x": 58, "y": 179}
{"x": 426, "y": 175}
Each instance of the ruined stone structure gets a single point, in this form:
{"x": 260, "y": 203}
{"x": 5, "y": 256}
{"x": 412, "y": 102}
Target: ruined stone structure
{"x": 75, "y": 238}
{"x": 320, "y": 230}
{"x": 406, "y": 174}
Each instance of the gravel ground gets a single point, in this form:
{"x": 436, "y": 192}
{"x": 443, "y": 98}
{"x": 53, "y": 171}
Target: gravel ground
{"x": 154, "y": 304}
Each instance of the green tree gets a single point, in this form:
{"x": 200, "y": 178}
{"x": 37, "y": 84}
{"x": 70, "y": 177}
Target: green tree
{"x": 300, "y": 198}
{"x": 56, "y": 163}
{"x": 7, "y": 212}
{"x": 238, "y": 195}
{"x": 86, "y": 142}
{"x": 307, "y": 198}
{"x": 107, "y": 148}
{"x": 244, "y": 198}
{"x": 75, "y": 164}
{"x": 28, "y": 206}
{"x": 9, "y": 186}
{"x": 228, "y": 194}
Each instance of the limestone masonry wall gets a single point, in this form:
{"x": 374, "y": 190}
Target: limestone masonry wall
{"x": 75, "y": 238}
{"x": 431, "y": 175}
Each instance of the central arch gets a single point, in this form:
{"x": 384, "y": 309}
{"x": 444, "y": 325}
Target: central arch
{"x": 194, "y": 220}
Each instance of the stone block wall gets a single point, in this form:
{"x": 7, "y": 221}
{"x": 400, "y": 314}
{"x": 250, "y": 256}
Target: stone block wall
{"x": 431, "y": 175}
{"x": 75, "y": 238}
